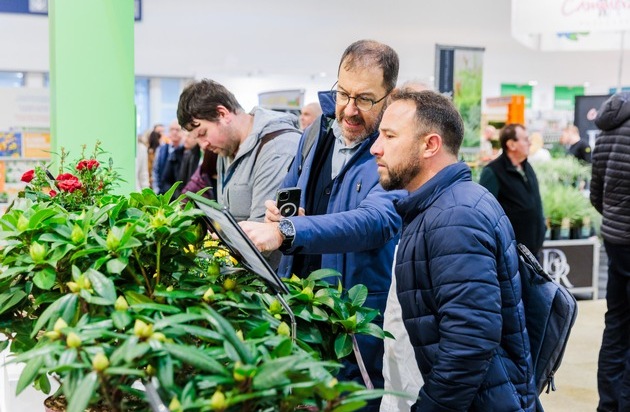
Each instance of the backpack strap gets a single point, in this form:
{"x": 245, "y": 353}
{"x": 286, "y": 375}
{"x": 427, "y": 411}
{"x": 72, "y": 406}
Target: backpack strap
{"x": 269, "y": 137}
{"x": 311, "y": 136}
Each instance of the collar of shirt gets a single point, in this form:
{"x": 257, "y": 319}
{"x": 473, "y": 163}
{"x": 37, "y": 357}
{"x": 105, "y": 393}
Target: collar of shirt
{"x": 341, "y": 152}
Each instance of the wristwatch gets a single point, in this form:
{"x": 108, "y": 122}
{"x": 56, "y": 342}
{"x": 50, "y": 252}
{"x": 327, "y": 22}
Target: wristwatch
{"x": 288, "y": 232}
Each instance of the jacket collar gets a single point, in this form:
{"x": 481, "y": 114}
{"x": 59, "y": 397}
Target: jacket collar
{"x": 420, "y": 200}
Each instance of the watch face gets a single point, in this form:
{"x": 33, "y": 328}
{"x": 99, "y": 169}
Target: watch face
{"x": 286, "y": 228}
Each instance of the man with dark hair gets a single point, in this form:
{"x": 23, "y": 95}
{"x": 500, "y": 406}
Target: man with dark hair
{"x": 610, "y": 195}
{"x": 168, "y": 159}
{"x": 350, "y": 224}
{"x": 512, "y": 180}
{"x": 575, "y": 146}
{"x": 456, "y": 267}
{"x": 255, "y": 149}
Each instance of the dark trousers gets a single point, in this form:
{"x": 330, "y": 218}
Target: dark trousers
{"x": 613, "y": 372}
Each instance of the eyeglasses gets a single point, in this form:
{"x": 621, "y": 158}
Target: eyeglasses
{"x": 364, "y": 104}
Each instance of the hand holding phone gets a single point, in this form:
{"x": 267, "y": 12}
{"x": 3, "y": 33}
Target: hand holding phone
{"x": 288, "y": 201}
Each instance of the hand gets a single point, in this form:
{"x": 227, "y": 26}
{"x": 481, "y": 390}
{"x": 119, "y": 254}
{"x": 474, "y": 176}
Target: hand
{"x": 265, "y": 236}
{"x": 272, "y": 214}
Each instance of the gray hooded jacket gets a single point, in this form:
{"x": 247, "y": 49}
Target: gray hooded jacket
{"x": 244, "y": 183}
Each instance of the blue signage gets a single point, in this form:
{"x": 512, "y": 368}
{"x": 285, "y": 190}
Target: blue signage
{"x": 40, "y": 7}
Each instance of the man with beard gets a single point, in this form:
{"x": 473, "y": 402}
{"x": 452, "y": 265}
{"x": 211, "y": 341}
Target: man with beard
{"x": 456, "y": 267}
{"x": 255, "y": 148}
{"x": 348, "y": 222}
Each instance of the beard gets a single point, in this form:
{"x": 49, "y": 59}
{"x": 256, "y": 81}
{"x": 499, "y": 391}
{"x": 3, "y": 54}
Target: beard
{"x": 359, "y": 120}
{"x": 398, "y": 177}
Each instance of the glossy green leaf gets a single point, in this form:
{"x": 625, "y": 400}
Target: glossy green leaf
{"x": 121, "y": 319}
{"x": 196, "y": 358}
{"x": 116, "y": 265}
{"x": 343, "y": 346}
{"x": 11, "y": 299}
{"x": 323, "y": 274}
{"x": 273, "y": 373}
{"x": 64, "y": 308}
{"x": 358, "y": 295}
{"x": 44, "y": 384}
{"x": 45, "y": 278}
{"x": 135, "y": 297}
{"x": 80, "y": 399}
{"x": 165, "y": 372}
{"x": 29, "y": 373}
{"x": 102, "y": 285}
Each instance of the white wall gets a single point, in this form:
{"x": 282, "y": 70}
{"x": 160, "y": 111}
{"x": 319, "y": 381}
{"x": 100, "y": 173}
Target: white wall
{"x": 256, "y": 46}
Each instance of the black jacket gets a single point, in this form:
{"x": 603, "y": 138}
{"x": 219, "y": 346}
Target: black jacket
{"x": 520, "y": 199}
{"x": 610, "y": 183}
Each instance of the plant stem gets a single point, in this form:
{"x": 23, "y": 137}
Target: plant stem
{"x": 159, "y": 259}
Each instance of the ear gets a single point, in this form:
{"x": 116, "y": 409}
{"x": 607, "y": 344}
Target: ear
{"x": 224, "y": 114}
{"x": 432, "y": 145}
{"x": 510, "y": 144}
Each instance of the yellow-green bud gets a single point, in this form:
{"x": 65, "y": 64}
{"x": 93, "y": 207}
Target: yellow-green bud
{"x": 142, "y": 330}
{"x": 214, "y": 269}
{"x": 239, "y": 334}
{"x": 170, "y": 288}
{"x": 353, "y": 320}
{"x": 112, "y": 241}
{"x": 209, "y": 295}
{"x": 60, "y": 324}
{"x": 175, "y": 405}
{"x": 74, "y": 287}
{"x": 275, "y": 307}
{"x": 229, "y": 284}
{"x": 218, "y": 402}
{"x": 294, "y": 278}
{"x": 121, "y": 303}
{"x": 159, "y": 336}
{"x": 37, "y": 252}
{"x": 159, "y": 219}
{"x": 22, "y": 223}
{"x": 150, "y": 370}
{"x": 332, "y": 383}
{"x": 284, "y": 329}
{"x": 84, "y": 282}
{"x": 52, "y": 335}
{"x": 73, "y": 340}
{"x": 308, "y": 292}
{"x": 100, "y": 362}
{"x": 238, "y": 377}
{"x": 77, "y": 234}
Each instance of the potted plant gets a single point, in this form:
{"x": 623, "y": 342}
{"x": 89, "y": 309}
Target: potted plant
{"x": 106, "y": 294}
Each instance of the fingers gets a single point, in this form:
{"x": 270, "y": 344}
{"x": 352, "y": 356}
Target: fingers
{"x": 301, "y": 212}
{"x": 272, "y": 214}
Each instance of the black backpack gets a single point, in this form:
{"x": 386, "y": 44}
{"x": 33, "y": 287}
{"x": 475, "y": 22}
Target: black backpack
{"x": 550, "y": 312}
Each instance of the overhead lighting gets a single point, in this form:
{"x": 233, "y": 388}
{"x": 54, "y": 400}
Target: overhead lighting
{"x": 587, "y": 84}
{"x": 532, "y": 83}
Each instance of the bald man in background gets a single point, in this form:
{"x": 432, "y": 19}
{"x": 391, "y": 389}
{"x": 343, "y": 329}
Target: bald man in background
{"x": 309, "y": 113}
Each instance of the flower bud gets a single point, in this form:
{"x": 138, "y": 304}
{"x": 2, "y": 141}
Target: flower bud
{"x": 175, "y": 405}
{"x": 52, "y": 335}
{"x": 77, "y": 234}
{"x": 142, "y": 330}
{"x": 229, "y": 284}
{"x": 74, "y": 287}
{"x": 236, "y": 374}
{"x": 239, "y": 334}
{"x": 112, "y": 241}
{"x": 37, "y": 252}
{"x": 294, "y": 278}
{"x": 170, "y": 288}
{"x": 73, "y": 340}
{"x": 275, "y": 307}
{"x": 150, "y": 370}
{"x": 60, "y": 324}
{"x": 218, "y": 402}
{"x": 121, "y": 303}
{"x": 209, "y": 295}
{"x": 308, "y": 292}
{"x": 100, "y": 362}
{"x": 214, "y": 269}
{"x": 284, "y": 329}
{"x": 22, "y": 223}
{"x": 84, "y": 282}
{"x": 159, "y": 336}
{"x": 159, "y": 219}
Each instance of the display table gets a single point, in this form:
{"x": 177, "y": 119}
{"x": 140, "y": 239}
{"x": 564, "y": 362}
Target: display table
{"x": 573, "y": 263}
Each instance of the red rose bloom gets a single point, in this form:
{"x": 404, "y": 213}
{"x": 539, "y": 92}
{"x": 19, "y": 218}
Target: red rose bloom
{"x": 28, "y": 176}
{"x": 52, "y": 193}
{"x": 68, "y": 182}
{"x": 87, "y": 164}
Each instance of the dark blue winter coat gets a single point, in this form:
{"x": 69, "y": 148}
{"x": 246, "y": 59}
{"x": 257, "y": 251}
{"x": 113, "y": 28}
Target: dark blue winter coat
{"x": 459, "y": 289}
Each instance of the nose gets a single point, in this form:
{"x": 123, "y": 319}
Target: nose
{"x": 351, "y": 108}
{"x": 376, "y": 149}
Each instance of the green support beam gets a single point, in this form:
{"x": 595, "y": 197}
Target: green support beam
{"x": 92, "y": 80}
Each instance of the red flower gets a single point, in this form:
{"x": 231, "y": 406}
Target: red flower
{"x": 87, "y": 164}
{"x": 68, "y": 182}
{"x": 52, "y": 193}
{"x": 28, "y": 176}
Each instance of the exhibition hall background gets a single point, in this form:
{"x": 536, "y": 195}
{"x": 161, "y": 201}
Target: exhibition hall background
{"x": 91, "y": 53}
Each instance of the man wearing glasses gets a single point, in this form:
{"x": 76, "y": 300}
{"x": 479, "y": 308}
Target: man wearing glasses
{"x": 347, "y": 221}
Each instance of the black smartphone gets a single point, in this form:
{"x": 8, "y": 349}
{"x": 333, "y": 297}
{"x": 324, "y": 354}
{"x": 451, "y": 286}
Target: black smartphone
{"x": 288, "y": 201}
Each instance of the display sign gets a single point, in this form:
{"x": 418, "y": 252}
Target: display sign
{"x": 459, "y": 72}
{"x": 282, "y": 99}
{"x": 573, "y": 263}
{"x": 570, "y": 25}
{"x": 10, "y": 143}
{"x": 509, "y": 89}
{"x": 586, "y": 108}
{"x": 36, "y": 144}
{"x": 564, "y": 97}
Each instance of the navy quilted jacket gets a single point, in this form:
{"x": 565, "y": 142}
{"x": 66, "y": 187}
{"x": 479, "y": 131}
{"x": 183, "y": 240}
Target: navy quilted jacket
{"x": 459, "y": 289}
